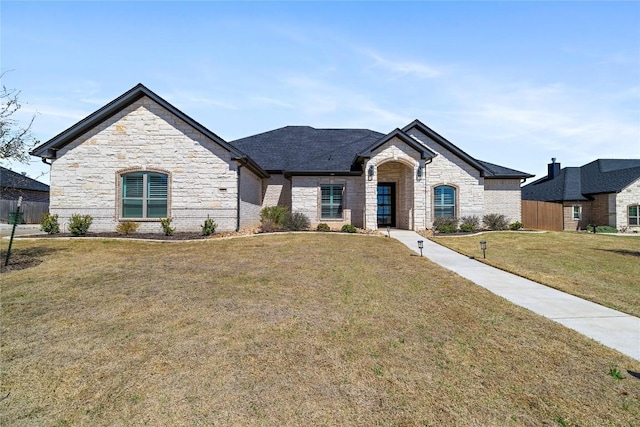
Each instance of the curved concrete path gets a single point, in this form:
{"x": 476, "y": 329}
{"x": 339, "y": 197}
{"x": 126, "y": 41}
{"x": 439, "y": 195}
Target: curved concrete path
{"x": 616, "y": 330}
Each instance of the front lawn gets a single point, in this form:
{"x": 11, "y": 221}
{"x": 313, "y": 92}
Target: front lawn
{"x": 601, "y": 268}
{"x": 285, "y": 330}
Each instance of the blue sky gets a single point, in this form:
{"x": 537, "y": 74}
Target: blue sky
{"x": 513, "y": 83}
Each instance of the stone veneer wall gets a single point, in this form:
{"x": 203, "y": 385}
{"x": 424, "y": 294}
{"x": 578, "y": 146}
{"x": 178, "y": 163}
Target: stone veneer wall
{"x": 250, "y": 199}
{"x": 628, "y": 196}
{"x": 448, "y": 169}
{"x": 398, "y": 161}
{"x": 276, "y": 191}
{"x": 503, "y": 196}
{"x": 305, "y": 198}
{"x": 144, "y": 136}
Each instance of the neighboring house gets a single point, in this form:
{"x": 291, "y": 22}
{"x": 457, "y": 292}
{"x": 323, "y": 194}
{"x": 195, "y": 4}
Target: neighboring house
{"x": 603, "y": 192}
{"x": 35, "y": 196}
{"x": 14, "y": 185}
{"x": 139, "y": 158}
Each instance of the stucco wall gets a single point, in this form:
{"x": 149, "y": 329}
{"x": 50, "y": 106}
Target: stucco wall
{"x": 202, "y": 177}
{"x": 628, "y": 196}
{"x": 503, "y": 196}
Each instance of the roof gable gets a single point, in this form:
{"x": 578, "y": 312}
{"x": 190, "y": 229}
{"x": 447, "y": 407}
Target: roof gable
{"x": 425, "y": 152}
{"x": 48, "y": 149}
{"x": 486, "y": 169}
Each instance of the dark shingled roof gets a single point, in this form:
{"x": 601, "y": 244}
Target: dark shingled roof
{"x": 306, "y": 149}
{"x": 496, "y": 171}
{"x": 11, "y": 179}
{"x": 573, "y": 183}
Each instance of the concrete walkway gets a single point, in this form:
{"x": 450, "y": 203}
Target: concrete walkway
{"x": 616, "y": 330}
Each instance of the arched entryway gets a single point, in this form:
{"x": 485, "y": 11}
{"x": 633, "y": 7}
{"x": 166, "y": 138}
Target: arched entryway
{"x": 395, "y": 195}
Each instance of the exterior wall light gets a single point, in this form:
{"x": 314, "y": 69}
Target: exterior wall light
{"x": 483, "y": 246}
{"x": 420, "y": 246}
{"x": 370, "y": 172}
{"x": 419, "y": 172}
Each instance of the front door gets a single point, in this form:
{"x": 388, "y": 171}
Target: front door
{"x": 386, "y": 204}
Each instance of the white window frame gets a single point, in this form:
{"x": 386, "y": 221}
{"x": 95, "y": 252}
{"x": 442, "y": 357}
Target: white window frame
{"x": 573, "y": 212}
{"x": 120, "y": 177}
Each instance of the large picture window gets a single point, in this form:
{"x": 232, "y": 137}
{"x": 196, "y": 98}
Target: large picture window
{"x": 444, "y": 201}
{"x": 144, "y": 195}
{"x": 634, "y": 215}
{"x": 331, "y": 201}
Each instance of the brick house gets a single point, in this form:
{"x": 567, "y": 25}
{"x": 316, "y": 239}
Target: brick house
{"x": 139, "y": 158}
{"x": 603, "y": 192}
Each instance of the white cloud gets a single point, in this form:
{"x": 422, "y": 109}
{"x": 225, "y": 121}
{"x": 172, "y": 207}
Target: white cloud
{"x": 400, "y": 67}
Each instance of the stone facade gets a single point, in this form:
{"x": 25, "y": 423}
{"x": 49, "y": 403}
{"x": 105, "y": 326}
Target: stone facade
{"x": 306, "y": 198}
{"x": 503, "y": 196}
{"x": 276, "y": 191}
{"x": 448, "y": 169}
{"x": 85, "y": 176}
{"x": 628, "y": 196}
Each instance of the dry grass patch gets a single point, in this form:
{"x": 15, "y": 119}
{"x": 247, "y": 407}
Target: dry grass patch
{"x": 603, "y": 269}
{"x": 286, "y": 330}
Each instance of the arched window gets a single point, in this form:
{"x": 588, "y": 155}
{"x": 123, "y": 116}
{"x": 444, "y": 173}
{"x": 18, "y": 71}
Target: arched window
{"x": 144, "y": 195}
{"x": 444, "y": 201}
{"x": 634, "y": 215}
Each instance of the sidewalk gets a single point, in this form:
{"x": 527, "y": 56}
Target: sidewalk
{"x": 616, "y": 330}
{"x": 21, "y": 229}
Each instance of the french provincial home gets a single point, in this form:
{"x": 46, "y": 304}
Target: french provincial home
{"x": 141, "y": 159}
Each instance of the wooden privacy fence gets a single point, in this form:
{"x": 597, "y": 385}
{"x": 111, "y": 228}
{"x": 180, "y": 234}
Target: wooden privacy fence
{"x": 542, "y": 215}
{"x": 31, "y": 211}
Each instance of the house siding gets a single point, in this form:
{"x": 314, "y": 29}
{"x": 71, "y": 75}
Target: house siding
{"x": 503, "y": 196}
{"x": 630, "y": 195}
{"x": 145, "y": 136}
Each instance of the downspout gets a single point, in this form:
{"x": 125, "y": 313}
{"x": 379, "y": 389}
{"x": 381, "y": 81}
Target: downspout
{"x": 427, "y": 201}
{"x": 238, "y": 201}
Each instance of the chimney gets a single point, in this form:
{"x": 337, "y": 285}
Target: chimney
{"x": 553, "y": 169}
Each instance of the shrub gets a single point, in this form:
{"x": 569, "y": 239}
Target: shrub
{"x": 50, "y": 224}
{"x": 349, "y": 228}
{"x": 469, "y": 223}
{"x": 445, "y": 224}
{"x": 516, "y": 225}
{"x": 495, "y": 222}
{"x": 272, "y": 218}
{"x": 79, "y": 224}
{"x": 166, "y": 226}
{"x": 209, "y": 227}
{"x": 127, "y": 227}
{"x": 602, "y": 229}
{"x": 296, "y": 221}
{"x": 323, "y": 227}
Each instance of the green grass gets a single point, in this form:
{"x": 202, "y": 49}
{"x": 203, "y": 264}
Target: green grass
{"x": 603, "y": 269}
{"x": 284, "y": 330}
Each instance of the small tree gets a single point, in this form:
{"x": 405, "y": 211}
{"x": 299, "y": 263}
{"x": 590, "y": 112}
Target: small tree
{"x": 14, "y": 139}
